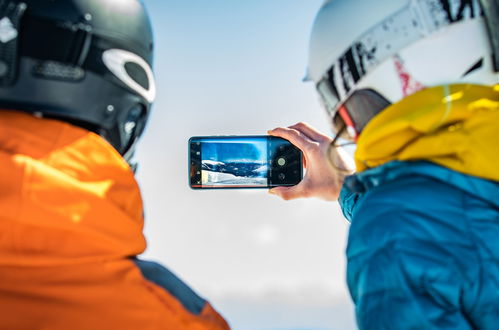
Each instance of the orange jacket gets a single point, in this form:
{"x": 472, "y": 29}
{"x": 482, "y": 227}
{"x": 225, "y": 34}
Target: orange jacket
{"x": 70, "y": 219}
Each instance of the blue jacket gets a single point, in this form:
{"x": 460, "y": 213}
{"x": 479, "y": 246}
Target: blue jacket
{"x": 423, "y": 249}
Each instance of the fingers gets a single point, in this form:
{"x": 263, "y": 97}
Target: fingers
{"x": 320, "y": 179}
{"x": 310, "y": 131}
{"x": 294, "y": 136}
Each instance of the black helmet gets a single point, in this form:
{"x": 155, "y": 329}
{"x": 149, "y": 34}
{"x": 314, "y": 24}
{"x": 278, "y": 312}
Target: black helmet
{"x": 86, "y": 62}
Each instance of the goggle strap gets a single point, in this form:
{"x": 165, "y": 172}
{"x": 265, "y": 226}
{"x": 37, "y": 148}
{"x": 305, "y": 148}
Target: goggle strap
{"x": 349, "y": 124}
{"x": 338, "y": 134}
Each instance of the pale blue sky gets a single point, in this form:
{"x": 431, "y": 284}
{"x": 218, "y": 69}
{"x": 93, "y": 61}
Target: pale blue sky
{"x": 235, "y": 67}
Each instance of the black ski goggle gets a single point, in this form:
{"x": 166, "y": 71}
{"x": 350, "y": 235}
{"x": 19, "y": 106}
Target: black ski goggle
{"x": 349, "y": 118}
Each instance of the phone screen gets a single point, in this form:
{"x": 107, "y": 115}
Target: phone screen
{"x": 243, "y": 162}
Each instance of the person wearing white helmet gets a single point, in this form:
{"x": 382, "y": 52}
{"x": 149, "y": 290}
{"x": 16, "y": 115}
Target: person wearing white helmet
{"x": 414, "y": 84}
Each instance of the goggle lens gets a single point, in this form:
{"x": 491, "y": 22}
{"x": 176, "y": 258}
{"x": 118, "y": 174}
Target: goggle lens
{"x": 352, "y": 115}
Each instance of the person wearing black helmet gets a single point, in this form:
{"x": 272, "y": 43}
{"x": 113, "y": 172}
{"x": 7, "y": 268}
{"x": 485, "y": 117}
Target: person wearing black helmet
{"x": 76, "y": 88}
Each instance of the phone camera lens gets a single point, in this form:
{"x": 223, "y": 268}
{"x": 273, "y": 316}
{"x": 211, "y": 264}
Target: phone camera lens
{"x": 282, "y": 176}
{"x": 281, "y": 161}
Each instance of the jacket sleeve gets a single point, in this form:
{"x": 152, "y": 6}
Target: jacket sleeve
{"x": 203, "y": 315}
{"x": 348, "y": 200}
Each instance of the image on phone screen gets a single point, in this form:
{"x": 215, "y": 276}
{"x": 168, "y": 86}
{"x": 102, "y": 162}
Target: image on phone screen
{"x": 243, "y": 162}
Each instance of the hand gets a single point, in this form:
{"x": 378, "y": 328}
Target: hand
{"x": 326, "y": 166}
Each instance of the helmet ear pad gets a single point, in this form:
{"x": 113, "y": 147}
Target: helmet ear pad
{"x": 129, "y": 127}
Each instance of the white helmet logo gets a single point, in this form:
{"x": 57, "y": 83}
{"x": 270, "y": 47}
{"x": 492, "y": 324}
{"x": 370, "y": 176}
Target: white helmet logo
{"x": 116, "y": 59}
{"x": 7, "y": 30}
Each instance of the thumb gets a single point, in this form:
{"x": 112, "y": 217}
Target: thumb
{"x": 286, "y": 193}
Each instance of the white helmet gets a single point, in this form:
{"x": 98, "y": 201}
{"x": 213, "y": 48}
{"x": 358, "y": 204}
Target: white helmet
{"x": 366, "y": 55}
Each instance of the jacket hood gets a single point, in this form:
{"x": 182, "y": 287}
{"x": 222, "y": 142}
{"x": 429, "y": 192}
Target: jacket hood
{"x": 455, "y": 126}
{"x": 66, "y": 195}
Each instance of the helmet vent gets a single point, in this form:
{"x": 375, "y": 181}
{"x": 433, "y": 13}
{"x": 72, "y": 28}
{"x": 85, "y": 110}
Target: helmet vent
{"x": 58, "y": 71}
{"x": 474, "y": 67}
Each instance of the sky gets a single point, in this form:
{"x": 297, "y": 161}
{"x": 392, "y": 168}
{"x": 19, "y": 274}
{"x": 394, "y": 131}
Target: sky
{"x": 227, "y": 67}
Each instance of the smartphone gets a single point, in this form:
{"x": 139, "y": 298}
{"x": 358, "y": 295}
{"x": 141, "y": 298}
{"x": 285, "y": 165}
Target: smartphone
{"x": 243, "y": 162}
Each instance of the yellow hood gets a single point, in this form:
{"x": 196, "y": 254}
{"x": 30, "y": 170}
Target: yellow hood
{"x": 456, "y": 126}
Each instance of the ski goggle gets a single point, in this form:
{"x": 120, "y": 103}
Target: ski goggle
{"x": 349, "y": 118}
